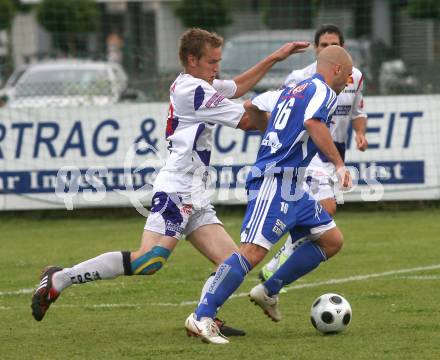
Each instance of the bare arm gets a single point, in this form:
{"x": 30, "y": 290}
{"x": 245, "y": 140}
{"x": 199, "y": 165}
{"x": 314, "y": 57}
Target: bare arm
{"x": 252, "y": 76}
{"x": 246, "y": 124}
{"x": 259, "y": 119}
{"x": 323, "y": 140}
{"x": 360, "y": 126}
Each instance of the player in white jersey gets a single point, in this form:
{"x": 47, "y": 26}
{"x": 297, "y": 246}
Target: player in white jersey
{"x": 322, "y": 180}
{"x": 198, "y": 103}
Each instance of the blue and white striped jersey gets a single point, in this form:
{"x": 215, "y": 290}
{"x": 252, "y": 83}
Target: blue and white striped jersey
{"x": 286, "y": 144}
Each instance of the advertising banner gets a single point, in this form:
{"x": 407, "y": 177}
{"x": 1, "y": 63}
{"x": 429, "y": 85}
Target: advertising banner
{"x": 95, "y": 156}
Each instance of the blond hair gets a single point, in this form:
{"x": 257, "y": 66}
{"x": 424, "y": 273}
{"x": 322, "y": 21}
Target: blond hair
{"x": 193, "y": 42}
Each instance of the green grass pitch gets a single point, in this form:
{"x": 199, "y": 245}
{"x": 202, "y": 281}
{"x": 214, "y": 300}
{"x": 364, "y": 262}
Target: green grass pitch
{"x": 389, "y": 270}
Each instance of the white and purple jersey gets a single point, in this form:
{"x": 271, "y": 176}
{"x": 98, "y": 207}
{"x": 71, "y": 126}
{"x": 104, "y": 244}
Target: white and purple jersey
{"x": 350, "y": 104}
{"x": 196, "y": 108}
{"x": 286, "y": 143}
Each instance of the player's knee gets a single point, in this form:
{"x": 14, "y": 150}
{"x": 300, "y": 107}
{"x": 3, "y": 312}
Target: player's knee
{"x": 331, "y": 242}
{"x": 338, "y": 242}
{"x": 254, "y": 254}
{"x": 150, "y": 262}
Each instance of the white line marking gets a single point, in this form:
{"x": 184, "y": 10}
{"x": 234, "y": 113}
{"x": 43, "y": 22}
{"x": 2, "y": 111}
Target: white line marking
{"x": 295, "y": 287}
{"x": 339, "y": 281}
{"x": 17, "y": 292}
{"x": 426, "y": 277}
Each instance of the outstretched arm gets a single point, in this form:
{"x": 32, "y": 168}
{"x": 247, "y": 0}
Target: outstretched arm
{"x": 252, "y": 76}
{"x": 323, "y": 140}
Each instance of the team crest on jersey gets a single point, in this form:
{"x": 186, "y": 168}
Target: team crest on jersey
{"x": 295, "y": 92}
{"x": 300, "y": 88}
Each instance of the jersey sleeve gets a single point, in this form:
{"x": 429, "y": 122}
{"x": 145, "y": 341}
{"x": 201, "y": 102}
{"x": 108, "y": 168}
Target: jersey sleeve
{"x": 211, "y": 106}
{"x": 358, "y": 102}
{"x": 227, "y": 88}
{"x": 322, "y": 103}
{"x": 267, "y": 101}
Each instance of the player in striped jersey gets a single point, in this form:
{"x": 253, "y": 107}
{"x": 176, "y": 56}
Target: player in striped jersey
{"x": 277, "y": 203}
{"x": 322, "y": 181}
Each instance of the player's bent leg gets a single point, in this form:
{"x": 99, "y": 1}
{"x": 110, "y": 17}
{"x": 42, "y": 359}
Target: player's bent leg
{"x": 331, "y": 241}
{"x": 331, "y": 245}
{"x": 306, "y": 257}
{"x": 326, "y": 198}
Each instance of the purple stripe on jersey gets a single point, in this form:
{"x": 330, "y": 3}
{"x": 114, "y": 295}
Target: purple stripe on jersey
{"x": 198, "y": 133}
{"x": 199, "y": 96}
{"x": 205, "y": 155}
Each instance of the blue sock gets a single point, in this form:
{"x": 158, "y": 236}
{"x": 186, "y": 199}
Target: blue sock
{"x": 227, "y": 279}
{"x": 306, "y": 258}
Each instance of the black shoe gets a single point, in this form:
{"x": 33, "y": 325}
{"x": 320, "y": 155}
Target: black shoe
{"x": 45, "y": 293}
{"x": 227, "y": 330}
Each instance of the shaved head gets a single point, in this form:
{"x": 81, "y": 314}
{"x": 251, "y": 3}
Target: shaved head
{"x": 335, "y": 64}
{"x": 334, "y": 54}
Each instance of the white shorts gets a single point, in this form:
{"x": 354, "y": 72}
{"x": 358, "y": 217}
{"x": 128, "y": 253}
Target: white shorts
{"x": 322, "y": 181}
{"x": 171, "y": 216}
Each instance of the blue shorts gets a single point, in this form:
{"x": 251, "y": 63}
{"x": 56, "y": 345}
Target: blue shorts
{"x": 274, "y": 208}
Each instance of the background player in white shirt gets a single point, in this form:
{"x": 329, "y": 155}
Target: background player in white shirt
{"x": 198, "y": 102}
{"x": 322, "y": 178}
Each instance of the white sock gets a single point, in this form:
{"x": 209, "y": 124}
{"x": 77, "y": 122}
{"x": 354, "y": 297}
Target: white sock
{"x": 105, "y": 266}
{"x": 286, "y": 249}
{"x": 272, "y": 265}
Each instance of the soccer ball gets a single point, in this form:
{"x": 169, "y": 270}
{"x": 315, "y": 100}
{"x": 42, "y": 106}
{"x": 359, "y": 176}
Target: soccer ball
{"x": 330, "y": 313}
